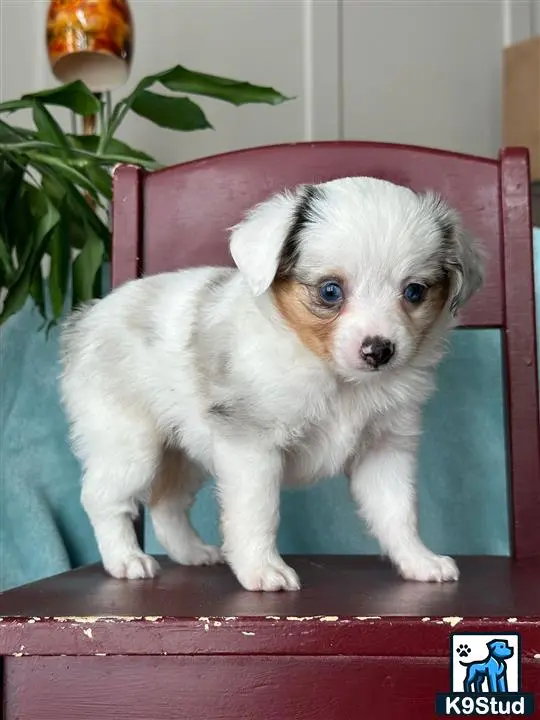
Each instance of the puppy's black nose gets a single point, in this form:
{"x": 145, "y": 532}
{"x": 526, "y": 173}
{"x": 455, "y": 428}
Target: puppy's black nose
{"x": 376, "y": 351}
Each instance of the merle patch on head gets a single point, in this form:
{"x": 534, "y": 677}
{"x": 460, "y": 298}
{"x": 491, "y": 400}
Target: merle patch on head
{"x": 442, "y": 215}
{"x": 460, "y": 256}
{"x": 447, "y": 227}
{"x": 303, "y": 215}
{"x": 444, "y": 220}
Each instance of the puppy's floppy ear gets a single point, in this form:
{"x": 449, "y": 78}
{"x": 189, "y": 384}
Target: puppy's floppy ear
{"x": 266, "y": 242}
{"x": 461, "y": 255}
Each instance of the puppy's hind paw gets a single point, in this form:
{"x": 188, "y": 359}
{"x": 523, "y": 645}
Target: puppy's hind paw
{"x": 272, "y": 576}
{"x": 197, "y": 554}
{"x": 429, "y": 567}
{"x": 135, "y": 566}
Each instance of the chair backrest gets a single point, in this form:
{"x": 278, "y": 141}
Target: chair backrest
{"x": 178, "y": 217}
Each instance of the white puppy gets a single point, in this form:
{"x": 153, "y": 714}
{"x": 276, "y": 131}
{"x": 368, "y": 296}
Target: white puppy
{"x": 313, "y": 358}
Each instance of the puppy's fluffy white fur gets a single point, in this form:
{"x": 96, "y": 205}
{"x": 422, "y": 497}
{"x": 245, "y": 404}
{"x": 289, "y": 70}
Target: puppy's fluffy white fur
{"x": 255, "y": 376}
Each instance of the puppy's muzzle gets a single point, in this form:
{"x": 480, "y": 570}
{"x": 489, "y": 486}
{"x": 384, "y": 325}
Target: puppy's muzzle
{"x": 377, "y": 351}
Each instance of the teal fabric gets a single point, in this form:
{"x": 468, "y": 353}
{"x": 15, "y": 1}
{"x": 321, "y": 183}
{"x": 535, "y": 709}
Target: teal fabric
{"x": 43, "y": 529}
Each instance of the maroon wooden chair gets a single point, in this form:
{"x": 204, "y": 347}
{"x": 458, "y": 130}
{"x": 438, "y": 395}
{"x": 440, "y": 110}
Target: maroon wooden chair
{"x": 356, "y": 641}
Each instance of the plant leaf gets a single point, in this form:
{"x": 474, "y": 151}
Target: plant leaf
{"x": 60, "y": 253}
{"x": 63, "y": 168}
{"x": 74, "y": 209}
{"x": 10, "y": 180}
{"x": 90, "y": 143}
{"x": 6, "y": 264}
{"x": 12, "y": 133}
{"x": 21, "y": 148}
{"x": 47, "y": 217}
{"x": 48, "y": 220}
{"x": 100, "y": 178}
{"x": 181, "y": 79}
{"x": 77, "y": 229}
{"x": 85, "y": 269}
{"x": 169, "y": 112}
{"x": 21, "y": 221}
{"x": 70, "y": 153}
{"x": 48, "y": 129}
{"x": 81, "y": 213}
{"x": 15, "y": 299}
{"x": 11, "y": 188}
{"x": 74, "y": 96}
{"x": 37, "y": 292}
{"x": 19, "y": 226}
{"x": 53, "y": 189}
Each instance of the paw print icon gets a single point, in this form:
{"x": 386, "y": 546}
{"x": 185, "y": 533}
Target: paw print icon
{"x": 463, "y": 650}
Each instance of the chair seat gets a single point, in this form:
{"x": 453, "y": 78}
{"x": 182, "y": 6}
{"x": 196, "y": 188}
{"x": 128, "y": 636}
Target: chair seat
{"x": 193, "y": 645}
{"x": 356, "y": 603}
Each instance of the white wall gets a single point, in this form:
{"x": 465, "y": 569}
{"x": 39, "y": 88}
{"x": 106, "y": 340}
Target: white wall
{"x": 418, "y": 71}
{"x": 19, "y": 53}
{"x": 521, "y": 20}
{"x": 425, "y": 73}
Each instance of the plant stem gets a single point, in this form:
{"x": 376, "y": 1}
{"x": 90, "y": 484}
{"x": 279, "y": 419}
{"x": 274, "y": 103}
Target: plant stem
{"x": 101, "y": 113}
{"x": 117, "y": 117}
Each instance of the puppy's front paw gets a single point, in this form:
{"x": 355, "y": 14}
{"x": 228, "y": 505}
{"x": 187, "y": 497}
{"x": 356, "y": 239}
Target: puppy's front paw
{"x": 429, "y": 567}
{"x": 269, "y": 576}
{"x": 135, "y": 566}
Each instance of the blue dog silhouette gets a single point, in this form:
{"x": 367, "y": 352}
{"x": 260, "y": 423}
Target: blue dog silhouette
{"x": 492, "y": 669}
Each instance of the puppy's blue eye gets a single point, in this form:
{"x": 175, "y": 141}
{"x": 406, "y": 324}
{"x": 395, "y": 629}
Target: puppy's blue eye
{"x": 331, "y": 293}
{"x": 415, "y": 293}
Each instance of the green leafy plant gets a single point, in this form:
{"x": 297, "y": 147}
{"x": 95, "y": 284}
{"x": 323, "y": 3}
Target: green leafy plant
{"x": 55, "y": 187}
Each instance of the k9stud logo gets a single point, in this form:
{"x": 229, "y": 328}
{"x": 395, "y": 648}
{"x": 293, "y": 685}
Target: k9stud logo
{"x": 485, "y": 677}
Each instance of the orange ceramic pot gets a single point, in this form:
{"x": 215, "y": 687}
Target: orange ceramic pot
{"x": 90, "y": 40}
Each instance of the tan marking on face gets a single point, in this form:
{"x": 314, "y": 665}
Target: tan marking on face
{"x": 421, "y": 318}
{"x": 311, "y": 320}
